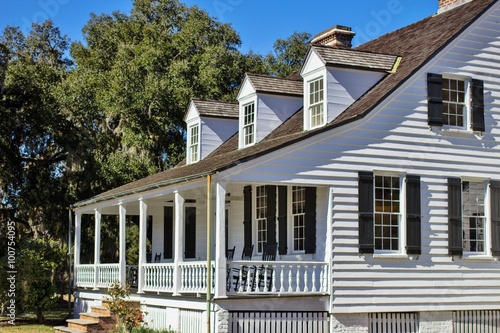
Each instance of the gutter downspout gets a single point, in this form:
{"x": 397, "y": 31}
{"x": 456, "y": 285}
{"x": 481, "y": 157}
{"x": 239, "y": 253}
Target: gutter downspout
{"x": 209, "y": 254}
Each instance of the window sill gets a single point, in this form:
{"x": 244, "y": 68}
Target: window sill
{"x": 390, "y": 256}
{"x": 478, "y": 257}
{"x": 454, "y": 130}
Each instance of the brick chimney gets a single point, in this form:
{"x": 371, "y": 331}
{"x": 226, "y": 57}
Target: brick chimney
{"x": 337, "y": 36}
{"x": 445, "y": 5}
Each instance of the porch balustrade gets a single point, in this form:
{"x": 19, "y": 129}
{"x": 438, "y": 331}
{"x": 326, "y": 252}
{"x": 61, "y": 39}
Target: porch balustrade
{"x": 85, "y": 275}
{"x": 107, "y": 275}
{"x": 159, "y": 277}
{"x": 243, "y": 277}
{"x": 194, "y": 276}
{"x": 278, "y": 277}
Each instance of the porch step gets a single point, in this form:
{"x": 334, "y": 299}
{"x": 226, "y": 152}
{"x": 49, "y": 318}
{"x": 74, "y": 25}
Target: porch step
{"x": 64, "y": 329}
{"x": 99, "y": 320}
{"x": 102, "y": 310}
{"x": 83, "y": 325}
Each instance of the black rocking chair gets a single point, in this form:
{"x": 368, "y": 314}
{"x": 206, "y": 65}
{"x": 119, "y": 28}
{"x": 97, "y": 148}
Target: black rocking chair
{"x": 265, "y": 272}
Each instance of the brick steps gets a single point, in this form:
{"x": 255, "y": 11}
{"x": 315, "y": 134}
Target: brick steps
{"x": 99, "y": 320}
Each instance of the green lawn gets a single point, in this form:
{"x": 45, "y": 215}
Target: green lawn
{"x": 26, "y": 328}
{"x": 26, "y": 323}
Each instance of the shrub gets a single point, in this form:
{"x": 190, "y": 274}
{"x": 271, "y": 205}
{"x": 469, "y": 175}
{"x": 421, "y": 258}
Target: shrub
{"x": 128, "y": 315}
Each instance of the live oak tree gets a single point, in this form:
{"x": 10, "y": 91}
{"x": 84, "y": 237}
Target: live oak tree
{"x": 34, "y": 143}
{"x": 288, "y": 54}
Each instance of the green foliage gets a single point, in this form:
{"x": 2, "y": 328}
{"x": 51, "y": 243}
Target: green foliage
{"x": 35, "y": 135}
{"x": 136, "y": 74}
{"x": 129, "y": 316}
{"x": 39, "y": 263}
{"x": 288, "y": 54}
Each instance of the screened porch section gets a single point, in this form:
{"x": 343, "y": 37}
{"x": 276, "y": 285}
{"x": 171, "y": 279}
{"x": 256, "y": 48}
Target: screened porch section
{"x": 264, "y": 241}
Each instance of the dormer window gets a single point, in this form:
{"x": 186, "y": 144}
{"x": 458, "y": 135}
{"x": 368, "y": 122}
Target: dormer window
{"x": 316, "y": 105}
{"x": 249, "y": 124}
{"x": 194, "y": 143}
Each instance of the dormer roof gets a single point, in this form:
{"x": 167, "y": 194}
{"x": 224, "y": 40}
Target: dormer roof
{"x": 214, "y": 109}
{"x": 275, "y": 85}
{"x": 340, "y": 57}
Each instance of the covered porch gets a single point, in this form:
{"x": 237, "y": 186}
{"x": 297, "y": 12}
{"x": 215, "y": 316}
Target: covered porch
{"x": 200, "y": 248}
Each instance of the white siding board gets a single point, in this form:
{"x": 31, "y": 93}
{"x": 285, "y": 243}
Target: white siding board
{"x": 214, "y": 132}
{"x": 272, "y": 111}
{"x": 344, "y": 86}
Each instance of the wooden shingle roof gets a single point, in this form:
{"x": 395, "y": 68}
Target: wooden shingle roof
{"x": 416, "y": 44}
{"x": 276, "y": 85}
{"x": 355, "y": 58}
{"x": 210, "y": 108}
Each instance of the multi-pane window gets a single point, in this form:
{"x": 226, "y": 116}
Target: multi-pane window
{"x": 473, "y": 216}
{"x": 316, "y": 112}
{"x": 454, "y": 103}
{"x": 261, "y": 217}
{"x": 249, "y": 124}
{"x": 387, "y": 213}
{"x": 194, "y": 139}
{"x": 298, "y": 217}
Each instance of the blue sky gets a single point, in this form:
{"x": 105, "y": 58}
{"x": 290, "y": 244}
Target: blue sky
{"x": 258, "y": 22}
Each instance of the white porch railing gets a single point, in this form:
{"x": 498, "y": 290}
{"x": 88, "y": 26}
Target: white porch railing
{"x": 159, "y": 277}
{"x": 107, "y": 274}
{"x": 85, "y": 275}
{"x": 242, "y": 277}
{"x": 278, "y": 277}
{"x": 194, "y": 276}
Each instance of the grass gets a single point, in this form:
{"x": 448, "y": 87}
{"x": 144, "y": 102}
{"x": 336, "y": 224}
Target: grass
{"x": 30, "y": 328}
{"x": 26, "y": 323}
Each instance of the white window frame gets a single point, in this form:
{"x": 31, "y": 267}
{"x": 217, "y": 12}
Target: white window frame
{"x": 467, "y": 104}
{"x": 245, "y": 126}
{"x": 260, "y": 218}
{"x": 321, "y": 103}
{"x": 291, "y": 221}
{"x": 487, "y": 218}
{"x": 194, "y": 144}
{"x": 402, "y": 213}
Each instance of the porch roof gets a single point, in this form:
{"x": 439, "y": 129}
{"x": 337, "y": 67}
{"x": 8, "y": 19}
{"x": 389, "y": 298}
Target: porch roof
{"x": 416, "y": 44}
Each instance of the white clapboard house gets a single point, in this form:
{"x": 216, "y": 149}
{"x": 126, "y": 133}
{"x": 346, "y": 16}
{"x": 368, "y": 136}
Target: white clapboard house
{"x": 361, "y": 194}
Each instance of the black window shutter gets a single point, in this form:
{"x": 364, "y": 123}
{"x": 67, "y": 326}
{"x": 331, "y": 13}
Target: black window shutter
{"x": 495, "y": 217}
{"x": 190, "y": 232}
{"x": 365, "y": 207}
{"x": 282, "y": 219}
{"x": 478, "y": 105}
{"x": 310, "y": 220}
{"x": 247, "y": 216}
{"x": 435, "y": 99}
{"x": 168, "y": 231}
{"x": 413, "y": 215}
{"x": 271, "y": 213}
{"x": 455, "y": 216}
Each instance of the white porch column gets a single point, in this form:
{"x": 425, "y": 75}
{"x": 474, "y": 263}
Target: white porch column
{"x": 78, "y": 237}
{"x": 143, "y": 210}
{"x": 220, "y": 240}
{"x": 178, "y": 239}
{"x": 122, "y": 246}
{"x": 97, "y": 247}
